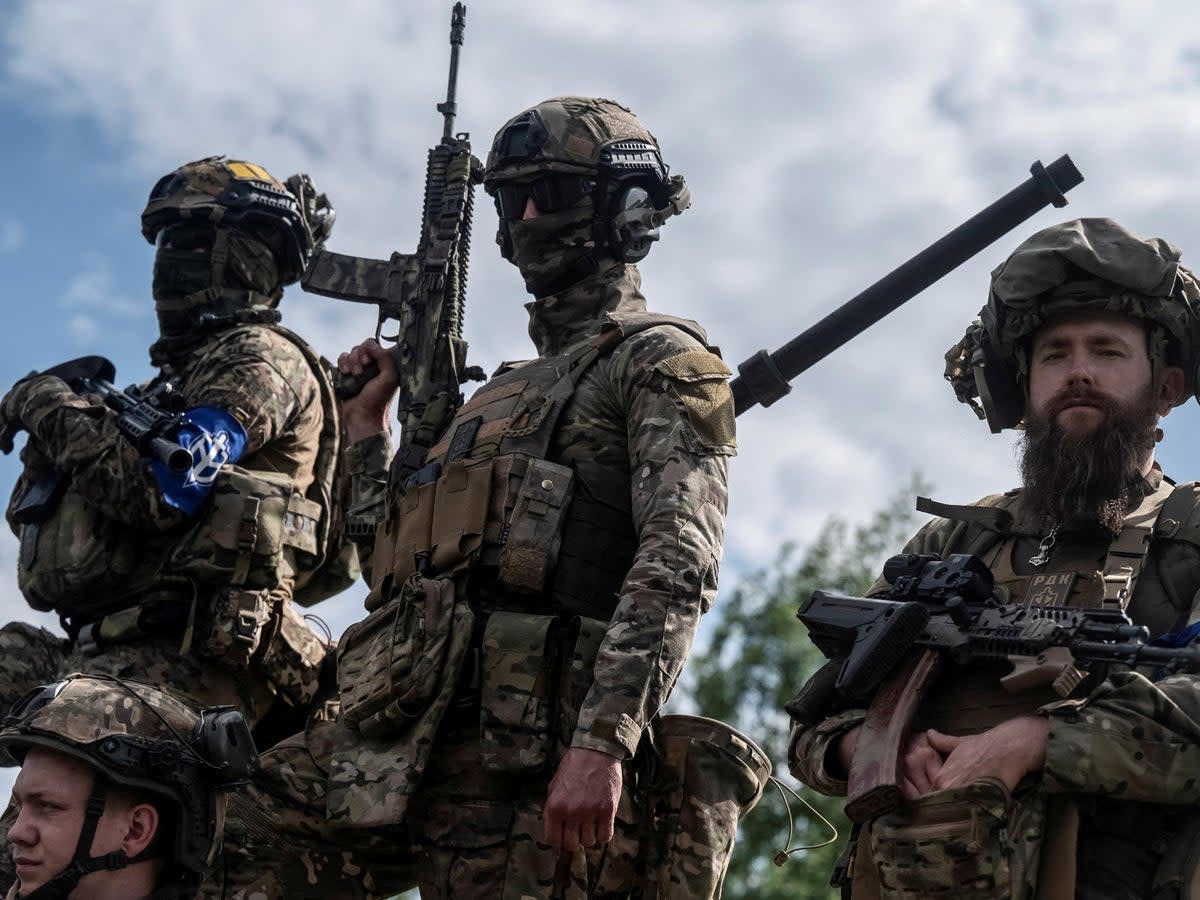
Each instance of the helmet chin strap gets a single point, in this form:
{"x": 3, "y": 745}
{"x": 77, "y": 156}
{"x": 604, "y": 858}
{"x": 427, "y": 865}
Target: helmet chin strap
{"x": 82, "y": 863}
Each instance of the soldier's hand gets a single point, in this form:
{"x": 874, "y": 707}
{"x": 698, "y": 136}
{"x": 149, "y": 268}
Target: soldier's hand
{"x": 1007, "y": 752}
{"x": 368, "y": 411}
{"x": 920, "y": 766}
{"x": 31, "y": 392}
{"x": 582, "y": 803}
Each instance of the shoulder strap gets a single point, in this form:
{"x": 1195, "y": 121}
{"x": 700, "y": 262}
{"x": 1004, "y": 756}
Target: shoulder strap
{"x": 1127, "y": 554}
{"x": 631, "y": 323}
{"x": 324, "y": 490}
{"x": 535, "y": 437}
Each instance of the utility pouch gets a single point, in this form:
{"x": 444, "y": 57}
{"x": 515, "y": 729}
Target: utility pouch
{"x": 973, "y": 842}
{"x": 1178, "y": 875}
{"x": 706, "y": 776}
{"x": 390, "y": 665}
{"x": 229, "y": 626}
{"x": 519, "y": 678}
{"x": 240, "y": 535}
{"x": 582, "y": 643}
{"x": 410, "y": 544}
{"x": 292, "y": 660}
{"x": 535, "y": 530}
{"x": 74, "y": 557}
{"x": 460, "y": 512}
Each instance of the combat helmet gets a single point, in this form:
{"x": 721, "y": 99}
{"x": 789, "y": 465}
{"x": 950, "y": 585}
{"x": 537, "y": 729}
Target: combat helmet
{"x": 235, "y": 192}
{"x": 144, "y": 739}
{"x": 566, "y": 148}
{"x": 1081, "y": 264}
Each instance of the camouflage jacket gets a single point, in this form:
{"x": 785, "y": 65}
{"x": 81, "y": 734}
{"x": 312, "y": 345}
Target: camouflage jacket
{"x": 1128, "y": 736}
{"x": 634, "y": 436}
{"x": 252, "y": 372}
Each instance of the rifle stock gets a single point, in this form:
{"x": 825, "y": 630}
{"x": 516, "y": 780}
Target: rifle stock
{"x": 873, "y": 787}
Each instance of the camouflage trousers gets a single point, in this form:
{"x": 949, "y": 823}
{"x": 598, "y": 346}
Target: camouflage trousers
{"x": 471, "y": 833}
{"x": 279, "y": 843}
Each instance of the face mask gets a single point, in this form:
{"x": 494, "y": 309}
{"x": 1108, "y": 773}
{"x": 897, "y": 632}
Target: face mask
{"x": 251, "y": 265}
{"x": 546, "y": 248}
{"x": 177, "y": 274}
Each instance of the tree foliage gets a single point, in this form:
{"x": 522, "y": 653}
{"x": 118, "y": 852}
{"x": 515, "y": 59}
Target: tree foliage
{"x": 757, "y": 659}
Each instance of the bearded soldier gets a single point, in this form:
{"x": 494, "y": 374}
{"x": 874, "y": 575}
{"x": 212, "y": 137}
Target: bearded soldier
{"x": 537, "y": 583}
{"x": 186, "y": 579}
{"x": 121, "y": 790}
{"x": 1089, "y": 338}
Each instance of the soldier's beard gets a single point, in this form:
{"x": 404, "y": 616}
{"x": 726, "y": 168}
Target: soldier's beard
{"x": 1085, "y": 480}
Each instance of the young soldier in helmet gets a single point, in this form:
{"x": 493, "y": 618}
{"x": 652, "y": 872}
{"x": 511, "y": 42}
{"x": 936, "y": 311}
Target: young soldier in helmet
{"x": 546, "y": 569}
{"x": 186, "y": 579}
{"x": 1089, "y": 338}
{"x": 120, "y": 794}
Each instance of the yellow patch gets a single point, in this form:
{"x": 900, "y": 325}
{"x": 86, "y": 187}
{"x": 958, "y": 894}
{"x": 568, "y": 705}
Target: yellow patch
{"x": 248, "y": 171}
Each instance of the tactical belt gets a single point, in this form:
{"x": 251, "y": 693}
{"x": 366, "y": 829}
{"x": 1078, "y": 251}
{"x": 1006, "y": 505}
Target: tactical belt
{"x": 158, "y": 614}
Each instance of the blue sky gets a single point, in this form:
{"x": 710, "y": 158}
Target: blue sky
{"x": 823, "y": 143}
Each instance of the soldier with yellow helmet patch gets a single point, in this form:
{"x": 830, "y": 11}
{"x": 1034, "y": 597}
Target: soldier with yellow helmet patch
{"x": 188, "y": 579}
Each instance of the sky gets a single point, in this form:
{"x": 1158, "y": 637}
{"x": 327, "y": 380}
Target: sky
{"x": 824, "y": 144}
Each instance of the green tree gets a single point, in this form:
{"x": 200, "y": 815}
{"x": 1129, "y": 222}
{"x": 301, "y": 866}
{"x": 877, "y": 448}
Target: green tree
{"x": 758, "y": 657}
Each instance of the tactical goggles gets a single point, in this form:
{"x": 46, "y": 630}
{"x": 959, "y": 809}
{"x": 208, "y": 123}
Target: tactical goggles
{"x": 187, "y": 235}
{"x": 550, "y": 193}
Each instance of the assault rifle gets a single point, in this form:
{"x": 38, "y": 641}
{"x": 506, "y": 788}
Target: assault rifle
{"x": 946, "y": 609}
{"x": 147, "y": 418}
{"x": 423, "y": 293}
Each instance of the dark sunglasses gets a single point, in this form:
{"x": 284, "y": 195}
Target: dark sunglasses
{"x": 550, "y": 193}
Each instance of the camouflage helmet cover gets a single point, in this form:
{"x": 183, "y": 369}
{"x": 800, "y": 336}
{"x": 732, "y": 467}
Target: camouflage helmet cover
{"x": 1090, "y": 263}
{"x": 572, "y": 135}
{"x": 137, "y": 736}
{"x": 233, "y": 192}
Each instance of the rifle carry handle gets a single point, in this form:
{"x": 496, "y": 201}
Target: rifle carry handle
{"x": 874, "y": 783}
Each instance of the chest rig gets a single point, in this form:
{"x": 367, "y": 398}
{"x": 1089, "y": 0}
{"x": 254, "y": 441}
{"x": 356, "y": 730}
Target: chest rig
{"x": 974, "y": 700}
{"x": 1074, "y": 582}
{"x": 491, "y": 500}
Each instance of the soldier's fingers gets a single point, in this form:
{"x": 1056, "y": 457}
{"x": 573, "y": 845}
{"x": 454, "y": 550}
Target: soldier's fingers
{"x": 587, "y": 834}
{"x": 381, "y": 357}
{"x": 343, "y": 363}
{"x": 552, "y": 828}
{"x": 909, "y": 789}
{"x": 943, "y": 743}
{"x": 570, "y": 837}
{"x": 604, "y": 833}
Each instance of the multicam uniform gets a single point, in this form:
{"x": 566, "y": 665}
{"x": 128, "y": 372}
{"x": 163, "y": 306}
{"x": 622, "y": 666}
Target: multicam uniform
{"x": 146, "y": 608}
{"x": 586, "y": 659}
{"x": 1131, "y": 737}
{"x": 186, "y": 578}
{"x": 1112, "y": 814}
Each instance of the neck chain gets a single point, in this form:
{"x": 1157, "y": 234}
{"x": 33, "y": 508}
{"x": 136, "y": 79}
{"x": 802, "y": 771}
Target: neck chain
{"x": 1043, "y": 555}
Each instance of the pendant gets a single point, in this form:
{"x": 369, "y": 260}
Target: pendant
{"x": 1043, "y": 554}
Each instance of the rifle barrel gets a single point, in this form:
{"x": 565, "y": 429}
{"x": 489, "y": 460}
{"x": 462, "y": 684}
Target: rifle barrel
{"x": 449, "y": 109}
{"x": 764, "y": 377}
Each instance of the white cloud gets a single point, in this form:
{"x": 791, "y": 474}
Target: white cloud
{"x": 94, "y": 288}
{"x": 12, "y": 235}
{"x": 824, "y": 143}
